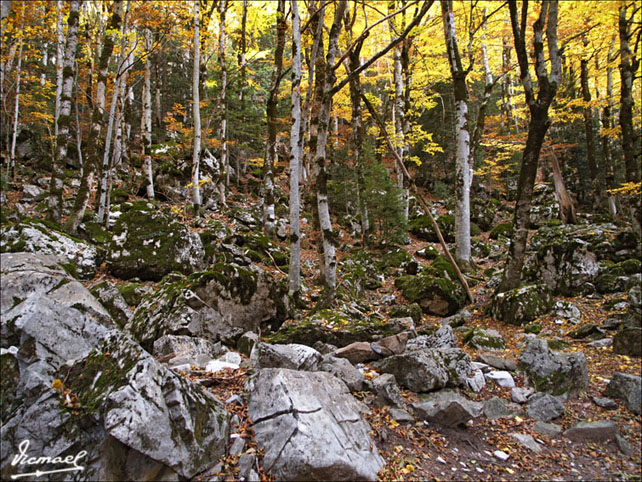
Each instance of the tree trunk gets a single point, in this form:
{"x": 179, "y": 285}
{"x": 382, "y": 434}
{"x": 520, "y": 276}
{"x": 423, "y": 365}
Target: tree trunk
{"x": 16, "y": 110}
{"x": 196, "y": 105}
{"x": 294, "y": 273}
{"x": 224, "y": 181}
{"x": 64, "y": 118}
{"x": 567, "y": 210}
{"x": 596, "y": 175}
{"x": 327, "y": 234}
{"x": 147, "y": 119}
{"x": 60, "y": 47}
{"x": 242, "y": 76}
{"x": 463, "y": 167}
{"x": 538, "y": 124}
{"x": 628, "y": 66}
{"x": 269, "y": 218}
{"x": 97, "y": 120}
{"x": 607, "y": 123}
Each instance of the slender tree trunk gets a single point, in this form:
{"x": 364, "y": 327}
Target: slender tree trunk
{"x": 224, "y": 181}
{"x": 607, "y": 123}
{"x": 97, "y": 121}
{"x": 357, "y": 133}
{"x": 60, "y": 47}
{"x": 595, "y": 173}
{"x": 538, "y": 124}
{"x": 242, "y": 76}
{"x": 64, "y": 118}
{"x": 628, "y": 66}
{"x": 196, "y": 104}
{"x": 327, "y": 234}
{"x": 294, "y": 273}
{"x": 567, "y": 210}
{"x": 6, "y": 8}
{"x": 462, "y": 167}
{"x": 269, "y": 217}
{"x": 147, "y": 119}
{"x": 16, "y": 110}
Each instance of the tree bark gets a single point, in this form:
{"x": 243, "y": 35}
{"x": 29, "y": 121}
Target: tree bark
{"x": 269, "y": 217}
{"x": 196, "y": 105}
{"x": 607, "y": 123}
{"x": 463, "y": 176}
{"x": 567, "y": 210}
{"x": 327, "y": 234}
{"x": 538, "y": 124}
{"x": 147, "y": 118}
{"x": 294, "y": 273}
{"x": 595, "y": 173}
{"x": 628, "y": 66}
{"x": 64, "y": 118}
{"x": 97, "y": 121}
{"x": 60, "y": 47}
{"x": 225, "y": 165}
{"x": 16, "y": 109}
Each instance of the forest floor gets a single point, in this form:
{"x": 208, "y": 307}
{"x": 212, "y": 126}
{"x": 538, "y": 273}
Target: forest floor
{"x": 426, "y": 451}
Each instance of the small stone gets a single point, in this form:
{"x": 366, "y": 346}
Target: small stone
{"x": 501, "y": 378}
{"x": 501, "y": 455}
{"x": 477, "y": 382}
{"x": 527, "y": 441}
{"x": 439, "y": 459}
{"x": 234, "y": 399}
{"x": 498, "y": 408}
{"x": 600, "y": 430}
{"x": 550, "y": 430}
{"x": 520, "y": 394}
{"x": 476, "y": 365}
{"x": 237, "y": 446}
{"x": 544, "y": 407}
{"x": 601, "y": 343}
{"x": 401, "y": 416}
{"x": 624, "y": 446}
{"x": 605, "y": 403}
{"x": 215, "y": 366}
{"x": 498, "y": 362}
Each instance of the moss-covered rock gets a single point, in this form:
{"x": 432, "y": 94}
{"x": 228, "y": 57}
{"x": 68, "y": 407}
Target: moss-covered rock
{"x": 412, "y": 310}
{"x": 37, "y": 236}
{"x": 133, "y": 293}
{"x": 436, "y": 296}
{"x": 221, "y": 303}
{"x": 422, "y": 228}
{"x": 429, "y": 252}
{"x": 148, "y": 244}
{"x": 502, "y": 230}
{"x": 521, "y": 305}
{"x": 484, "y": 339}
{"x": 336, "y": 328}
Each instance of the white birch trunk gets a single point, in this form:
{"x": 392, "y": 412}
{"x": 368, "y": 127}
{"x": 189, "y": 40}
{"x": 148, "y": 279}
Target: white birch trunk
{"x": 60, "y": 45}
{"x": 225, "y": 164}
{"x": 294, "y": 274}
{"x": 147, "y": 118}
{"x": 462, "y": 163}
{"x": 16, "y": 112}
{"x": 196, "y": 192}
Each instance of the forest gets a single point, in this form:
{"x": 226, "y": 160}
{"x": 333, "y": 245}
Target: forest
{"x": 406, "y": 231}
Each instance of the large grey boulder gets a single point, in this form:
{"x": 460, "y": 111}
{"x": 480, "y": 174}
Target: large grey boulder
{"x": 447, "y": 407}
{"x": 80, "y": 258}
{"x": 429, "y": 369}
{"x": 599, "y": 431}
{"x": 310, "y": 427}
{"x": 387, "y": 391}
{"x": 292, "y": 356}
{"x": 176, "y": 350}
{"x": 148, "y": 244}
{"x": 556, "y": 373}
{"x": 134, "y": 418}
{"x": 628, "y": 388}
{"x": 221, "y": 303}
{"x": 435, "y": 294}
{"x": 521, "y": 305}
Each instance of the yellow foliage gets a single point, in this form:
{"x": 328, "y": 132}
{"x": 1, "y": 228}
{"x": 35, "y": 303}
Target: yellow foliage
{"x": 628, "y": 189}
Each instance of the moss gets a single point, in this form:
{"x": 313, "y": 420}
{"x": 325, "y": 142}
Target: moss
{"x": 70, "y": 268}
{"x": 132, "y": 292}
{"x": 394, "y": 259}
{"x": 475, "y": 229}
{"x": 502, "y": 229}
{"x": 97, "y": 233}
{"x": 481, "y": 339}
{"x": 442, "y": 268}
{"x": 98, "y": 375}
{"x": 437, "y": 296}
{"x": 557, "y": 343}
{"x": 552, "y": 222}
{"x": 402, "y": 311}
{"x": 9, "y": 383}
{"x": 534, "y": 328}
{"x": 630, "y": 266}
{"x": 119, "y": 195}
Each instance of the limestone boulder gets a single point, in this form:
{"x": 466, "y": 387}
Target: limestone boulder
{"x": 628, "y": 388}
{"x": 447, "y": 407}
{"x": 76, "y": 256}
{"x": 292, "y": 356}
{"x": 429, "y": 369}
{"x": 219, "y": 304}
{"x": 310, "y": 427}
{"x": 556, "y": 373}
{"x": 148, "y": 243}
{"x": 521, "y": 305}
